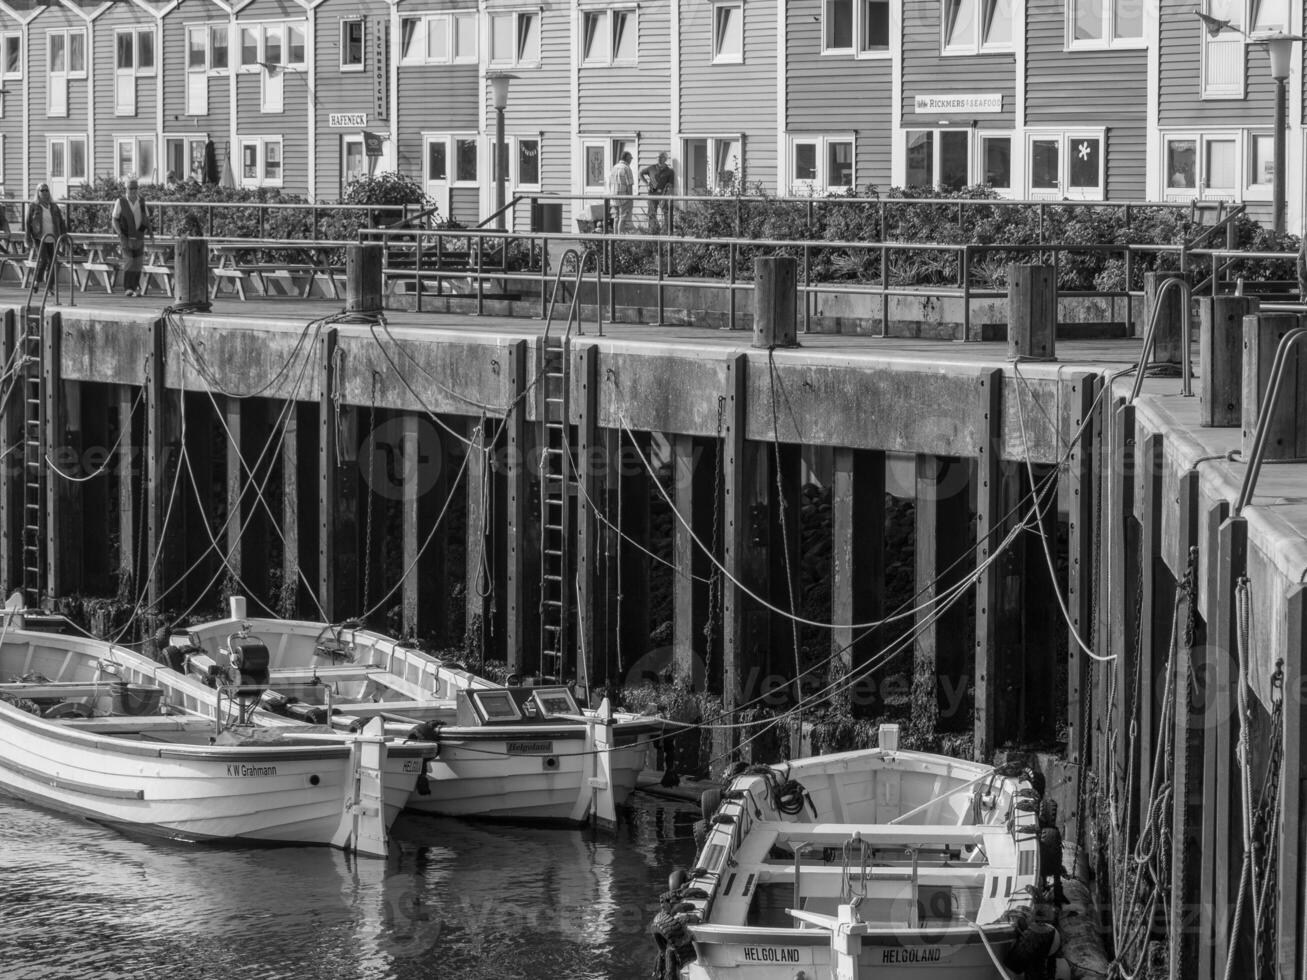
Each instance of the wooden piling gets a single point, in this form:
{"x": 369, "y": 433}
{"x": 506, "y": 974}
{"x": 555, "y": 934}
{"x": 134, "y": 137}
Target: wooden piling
{"x": 517, "y": 652}
{"x": 338, "y": 491}
{"x": 1286, "y": 436}
{"x": 857, "y": 582}
{"x": 1148, "y": 493}
{"x": 159, "y": 466}
{"x": 1291, "y": 916}
{"x": 11, "y": 475}
{"x": 591, "y": 666}
{"x": 1032, "y": 312}
{"x": 478, "y": 574}
{"x": 363, "y": 281}
{"x": 128, "y": 484}
{"x": 775, "y": 301}
{"x": 693, "y": 476}
{"x": 1079, "y": 431}
{"x": 942, "y": 519}
{"x": 422, "y": 489}
{"x": 735, "y": 535}
{"x": 635, "y": 490}
{"x": 989, "y": 520}
{"x": 192, "y": 273}
{"x": 1220, "y": 358}
{"x": 296, "y": 486}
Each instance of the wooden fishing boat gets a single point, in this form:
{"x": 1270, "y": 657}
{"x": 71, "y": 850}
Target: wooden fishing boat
{"x": 509, "y": 752}
{"x": 96, "y": 730}
{"x": 883, "y": 864}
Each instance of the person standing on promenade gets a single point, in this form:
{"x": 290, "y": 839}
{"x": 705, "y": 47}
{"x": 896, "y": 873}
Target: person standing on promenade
{"x": 45, "y": 225}
{"x": 621, "y": 184}
{"x": 660, "y": 178}
{"x": 131, "y": 222}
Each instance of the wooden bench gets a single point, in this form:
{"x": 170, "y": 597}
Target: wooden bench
{"x": 1269, "y": 290}
{"x": 96, "y": 264}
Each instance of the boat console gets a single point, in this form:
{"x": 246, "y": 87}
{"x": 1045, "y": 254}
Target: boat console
{"x": 517, "y": 706}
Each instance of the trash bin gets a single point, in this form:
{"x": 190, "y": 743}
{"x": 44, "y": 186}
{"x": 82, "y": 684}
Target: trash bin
{"x": 546, "y": 217}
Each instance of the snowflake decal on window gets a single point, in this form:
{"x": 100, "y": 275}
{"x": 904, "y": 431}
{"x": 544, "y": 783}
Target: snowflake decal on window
{"x": 1083, "y": 150}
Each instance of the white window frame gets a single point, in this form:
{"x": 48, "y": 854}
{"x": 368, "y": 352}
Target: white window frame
{"x": 821, "y": 143}
{"x": 1246, "y": 185}
{"x": 716, "y": 144}
{"x": 453, "y": 54}
{"x": 261, "y": 30}
{"x": 518, "y": 56}
{"x": 361, "y": 64}
{"x": 936, "y": 157}
{"x": 858, "y": 30}
{"x": 187, "y": 141}
{"x": 137, "y": 33}
{"x": 604, "y": 53}
{"x": 347, "y": 140}
{"x": 1067, "y": 139}
{"x": 1107, "y": 40}
{"x": 135, "y": 143}
{"x": 56, "y": 105}
{"x": 5, "y": 38}
{"x": 67, "y": 141}
{"x": 516, "y": 162}
{"x": 719, "y": 8}
{"x": 1013, "y": 165}
{"x": 68, "y": 34}
{"x": 1230, "y": 47}
{"x": 975, "y": 40}
{"x": 452, "y": 159}
{"x": 261, "y": 144}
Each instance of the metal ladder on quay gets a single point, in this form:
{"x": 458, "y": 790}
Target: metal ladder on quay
{"x": 33, "y": 399}
{"x": 557, "y": 471}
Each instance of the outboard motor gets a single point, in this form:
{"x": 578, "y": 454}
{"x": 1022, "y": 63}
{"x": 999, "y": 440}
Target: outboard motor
{"x": 250, "y": 673}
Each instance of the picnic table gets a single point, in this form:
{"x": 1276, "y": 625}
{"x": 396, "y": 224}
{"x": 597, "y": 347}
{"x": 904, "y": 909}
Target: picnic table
{"x": 260, "y": 262}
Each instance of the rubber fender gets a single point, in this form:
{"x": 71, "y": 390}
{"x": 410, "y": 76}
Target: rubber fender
{"x": 709, "y": 801}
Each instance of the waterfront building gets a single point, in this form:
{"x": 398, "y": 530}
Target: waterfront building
{"x": 1057, "y": 99}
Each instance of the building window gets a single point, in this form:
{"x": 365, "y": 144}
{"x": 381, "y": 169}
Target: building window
{"x": 351, "y": 45}
{"x": 68, "y": 159}
{"x": 515, "y": 39}
{"x": 1261, "y": 160}
{"x": 273, "y": 45}
{"x": 713, "y": 164}
{"x": 609, "y": 37}
{"x": 996, "y": 162}
{"x": 821, "y": 164}
{"x": 134, "y": 50}
{"x": 1067, "y": 165}
{"x": 219, "y": 52}
{"x": 261, "y": 161}
{"x": 12, "y": 47}
{"x": 728, "y": 33}
{"x": 184, "y": 157}
{"x": 528, "y": 163}
{"x": 465, "y": 160}
{"x": 67, "y": 60}
{"x": 437, "y": 162}
{"x": 438, "y": 39}
{"x": 971, "y": 26}
{"x": 855, "y": 27}
{"x": 135, "y": 156}
{"x": 938, "y": 158}
{"x": 353, "y": 161}
{"x": 1105, "y": 23}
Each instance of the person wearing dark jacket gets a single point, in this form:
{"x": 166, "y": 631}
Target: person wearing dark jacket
{"x": 660, "y": 179}
{"x": 130, "y": 223}
{"x": 45, "y": 225}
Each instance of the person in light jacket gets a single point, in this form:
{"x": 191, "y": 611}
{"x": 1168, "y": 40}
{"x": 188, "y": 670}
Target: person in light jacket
{"x": 131, "y": 223}
{"x": 45, "y": 225}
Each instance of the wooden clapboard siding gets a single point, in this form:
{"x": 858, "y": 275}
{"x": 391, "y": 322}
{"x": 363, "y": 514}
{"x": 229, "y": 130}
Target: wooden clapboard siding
{"x": 809, "y": 107}
{"x": 721, "y": 100}
{"x": 110, "y": 125}
{"x": 1180, "y": 101}
{"x": 927, "y": 72}
{"x": 217, "y": 121}
{"x": 11, "y": 126}
{"x": 344, "y": 91}
{"x": 465, "y": 205}
{"x": 626, "y": 98}
{"x": 1067, "y": 89}
{"x": 292, "y": 122}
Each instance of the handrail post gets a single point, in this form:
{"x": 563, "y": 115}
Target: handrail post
{"x": 1186, "y": 369}
{"x": 884, "y": 280}
{"x": 964, "y": 270}
{"x": 807, "y": 295}
{"x": 730, "y": 289}
{"x": 481, "y": 283}
{"x": 417, "y": 270}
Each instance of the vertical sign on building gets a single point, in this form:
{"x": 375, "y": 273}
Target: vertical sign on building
{"x": 381, "y": 67}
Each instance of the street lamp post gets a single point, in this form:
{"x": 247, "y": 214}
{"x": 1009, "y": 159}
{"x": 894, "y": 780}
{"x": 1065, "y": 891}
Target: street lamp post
{"x": 499, "y": 91}
{"x": 1280, "y": 48}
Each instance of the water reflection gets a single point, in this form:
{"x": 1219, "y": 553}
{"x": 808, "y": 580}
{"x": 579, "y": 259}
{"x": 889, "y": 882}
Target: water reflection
{"x": 456, "y": 900}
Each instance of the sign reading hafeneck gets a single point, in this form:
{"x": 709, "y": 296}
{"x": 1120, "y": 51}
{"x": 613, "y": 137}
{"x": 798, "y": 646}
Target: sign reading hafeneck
{"x": 959, "y": 103}
{"x": 347, "y": 120}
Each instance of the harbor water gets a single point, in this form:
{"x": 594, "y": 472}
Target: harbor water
{"x": 457, "y": 900}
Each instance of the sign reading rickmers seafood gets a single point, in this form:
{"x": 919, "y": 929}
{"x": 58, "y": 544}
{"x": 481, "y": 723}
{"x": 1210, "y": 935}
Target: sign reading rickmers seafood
{"x": 959, "y": 103}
